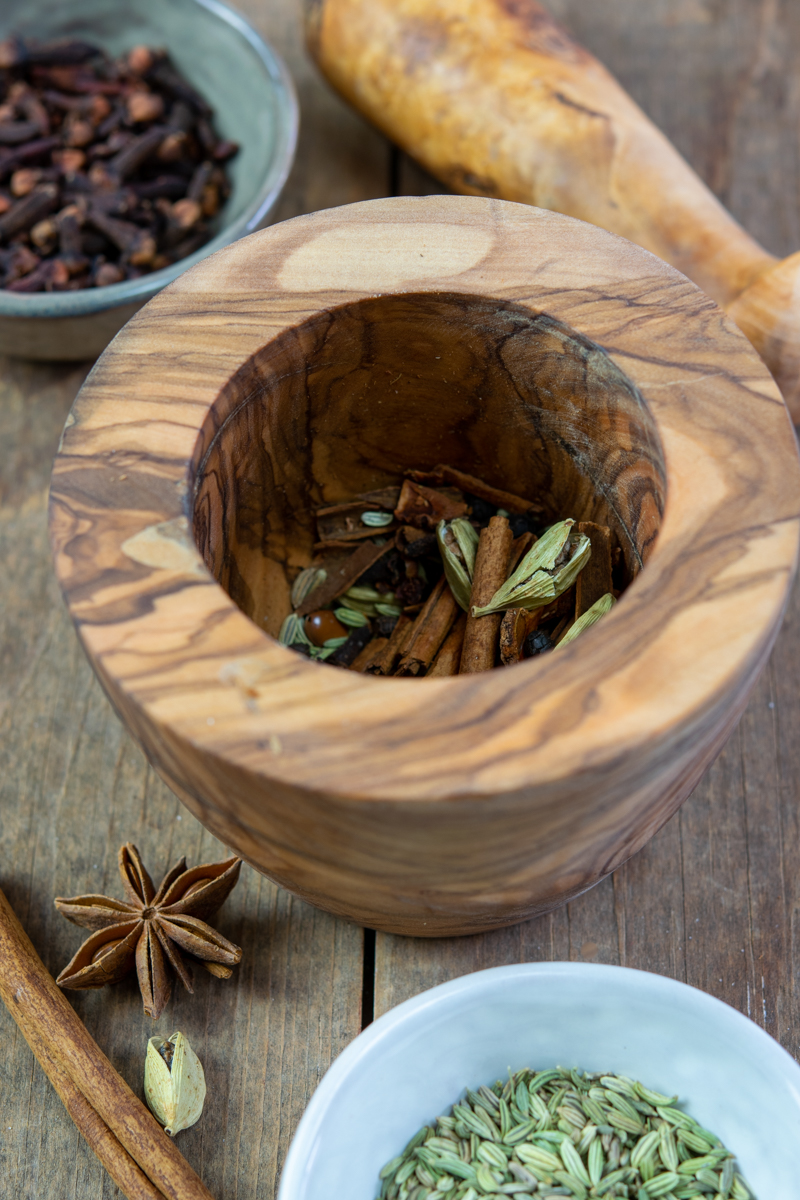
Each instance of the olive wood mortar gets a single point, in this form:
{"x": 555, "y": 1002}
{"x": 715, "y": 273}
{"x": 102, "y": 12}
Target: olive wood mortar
{"x": 325, "y": 356}
{"x": 494, "y": 98}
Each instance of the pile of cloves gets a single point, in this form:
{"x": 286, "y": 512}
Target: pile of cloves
{"x": 109, "y": 168}
{"x": 448, "y": 575}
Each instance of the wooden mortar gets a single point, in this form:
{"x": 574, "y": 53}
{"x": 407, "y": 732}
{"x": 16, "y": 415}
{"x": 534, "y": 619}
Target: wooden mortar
{"x": 494, "y": 98}
{"x": 323, "y": 357}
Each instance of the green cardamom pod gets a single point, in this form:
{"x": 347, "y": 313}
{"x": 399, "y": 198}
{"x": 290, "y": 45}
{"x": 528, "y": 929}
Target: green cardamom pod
{"x": 458, "y": 545}
{"x": 174, "y": 1082}
{"x": 589, "y": 618}
{"x": 547, "y": 570}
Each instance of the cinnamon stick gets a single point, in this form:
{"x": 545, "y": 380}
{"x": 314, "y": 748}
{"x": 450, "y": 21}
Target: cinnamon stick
{"x": 431, "y": 627}
{"x": 515, "y": 626}
{"x": 344, "y": 576}
{"x": 491, "y": 567}
{"x": 368, "y": 654}
{"x": 449, "y": 657}
{"x": 48, "y": 1022}
{"x": 595, "y": 579}
{"x": 128, "y": 1177}
{"x": 519, "y": 548}
{"x": 386, "y": 661}
{"x": 475, "y": 487}
{"x": 425, "y": 507}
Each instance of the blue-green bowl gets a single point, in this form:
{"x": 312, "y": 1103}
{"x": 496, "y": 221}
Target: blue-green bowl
{"x": 254, "y": 103}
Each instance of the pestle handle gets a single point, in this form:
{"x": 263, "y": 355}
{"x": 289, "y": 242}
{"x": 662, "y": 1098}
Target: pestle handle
{"x": 496, "y": 99}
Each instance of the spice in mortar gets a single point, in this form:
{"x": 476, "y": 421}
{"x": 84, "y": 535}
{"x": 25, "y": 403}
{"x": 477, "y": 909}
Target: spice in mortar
{"x": 446, "y": 575}
{"x": 563, "y": 1133}
{"x": 109, "y": 168}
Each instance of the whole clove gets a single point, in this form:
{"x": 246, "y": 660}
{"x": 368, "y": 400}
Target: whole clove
{"x": 137, "y": 245}
{"x": 125, "y": 135}
{"x": 30, "y": 209}
{"x": 27, "y": 152}
{"x": 12, "y": 133}
{"x": 346, "y": 655}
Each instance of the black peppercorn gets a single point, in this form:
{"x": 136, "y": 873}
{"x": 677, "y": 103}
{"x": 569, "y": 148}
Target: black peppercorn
{"x": 536, "y": 643}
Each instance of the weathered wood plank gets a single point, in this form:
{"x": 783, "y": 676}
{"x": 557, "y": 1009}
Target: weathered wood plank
{"x": 73, "y": 787}
{"x": 712, "y": 899}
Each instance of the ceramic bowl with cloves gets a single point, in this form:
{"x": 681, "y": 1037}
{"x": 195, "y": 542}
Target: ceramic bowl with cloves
{"x": 253, "y": 103}
{"x": 326, "y": 357}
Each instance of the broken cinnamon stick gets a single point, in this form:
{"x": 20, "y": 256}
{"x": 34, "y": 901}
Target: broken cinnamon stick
{"x": 49, "y": 1022}
{"x": 519, "y": 548}
{"x": 491, "y": 572}
{"x": 368, "y": 654}
{"x": 515, "y": 626}
{"x": 475, "y": 487}
{"x": 425, "y": 507}
{"x": 594, "y": 580}
{"x": 449, "y": 657}
{"x": 386, "y": 661}
{"x": 431, "y": 627}
{"x": 344, "y": 576}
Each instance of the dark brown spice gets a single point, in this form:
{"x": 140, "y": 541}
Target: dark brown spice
{"x": 343, "y": 577}
{"x": 475, "y": 487}
{"x": 347, "y": 654}
{"x": 385, "y": 662}
{"x": 431, "y": 627}
{"x": 425, "y": 507}
{"x": 150, "y": 928}
{"x": 491, "y": 566}
{"x": 74, "y": 120}
{"x": 406, "y": 573}
{"x": 448, "y": 659}
{"x": 595, "y": 580}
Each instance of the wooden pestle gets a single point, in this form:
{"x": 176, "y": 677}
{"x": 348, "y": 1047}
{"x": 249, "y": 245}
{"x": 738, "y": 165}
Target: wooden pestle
{"x": 494, "y": 98}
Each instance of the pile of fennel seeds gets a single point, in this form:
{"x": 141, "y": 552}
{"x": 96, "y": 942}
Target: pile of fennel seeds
{"x": 563, "y": 1133}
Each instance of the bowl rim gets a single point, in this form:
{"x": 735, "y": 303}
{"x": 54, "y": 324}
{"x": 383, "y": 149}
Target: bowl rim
{"x": 384, "y": 1027}
{"x": 710, "y": 404}
{"x": 88, "y": 301}
{"x": 449, "y": 805}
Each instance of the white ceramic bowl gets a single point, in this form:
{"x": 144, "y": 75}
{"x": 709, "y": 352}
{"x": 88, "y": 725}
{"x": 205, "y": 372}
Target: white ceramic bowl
{"x": 412, "y": 1063}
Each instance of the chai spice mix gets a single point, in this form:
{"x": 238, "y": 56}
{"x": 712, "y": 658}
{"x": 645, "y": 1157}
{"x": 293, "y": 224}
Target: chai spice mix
{"x": 447, "y": 575}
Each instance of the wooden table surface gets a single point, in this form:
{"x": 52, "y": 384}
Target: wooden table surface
{"x": 713, "y": 900}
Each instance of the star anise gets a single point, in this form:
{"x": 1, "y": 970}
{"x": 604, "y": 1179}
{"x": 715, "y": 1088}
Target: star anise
{"x": 150, "y": 928}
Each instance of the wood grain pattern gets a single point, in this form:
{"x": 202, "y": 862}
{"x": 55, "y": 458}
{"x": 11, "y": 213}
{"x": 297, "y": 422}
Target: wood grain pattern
{"x": 721, "y": 877}
{"x": 494, "y": 98}
{"x": 270, "y": 380}
{"x": 74, "y": 786}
